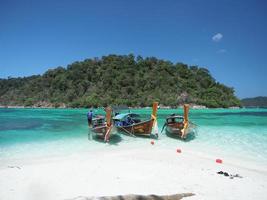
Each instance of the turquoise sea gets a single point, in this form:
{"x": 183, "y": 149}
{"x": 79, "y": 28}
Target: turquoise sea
{"x": 34, "y": 133}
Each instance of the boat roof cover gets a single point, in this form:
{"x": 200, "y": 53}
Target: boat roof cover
{"x": 124, "y": 115}
{"x": 175, "y": 116}
{"x": 98, "y": 117}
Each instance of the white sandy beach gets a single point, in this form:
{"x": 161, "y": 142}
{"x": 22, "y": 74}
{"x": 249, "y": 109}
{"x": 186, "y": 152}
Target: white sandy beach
{"x": 119, "y": 170}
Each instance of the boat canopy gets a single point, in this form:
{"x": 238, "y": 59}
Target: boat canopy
{"x": 174, "y": 119}
{"x": 125, "y": 115}
{"x": 175, "y": 116}
{"x": 98, "y": 117}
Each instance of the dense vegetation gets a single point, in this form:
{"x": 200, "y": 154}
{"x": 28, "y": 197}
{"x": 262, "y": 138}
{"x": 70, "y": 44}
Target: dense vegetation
{"x": 116, "y": 80}
{"x": 255, "y": 102}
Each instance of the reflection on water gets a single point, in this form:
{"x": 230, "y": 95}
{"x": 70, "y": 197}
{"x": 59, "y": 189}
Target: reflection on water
{"x": 190, "y": 136}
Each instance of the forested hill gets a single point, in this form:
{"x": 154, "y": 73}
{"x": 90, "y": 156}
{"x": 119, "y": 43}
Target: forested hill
{"x": 255, "y": 102}
{"x": 117, "y": 80}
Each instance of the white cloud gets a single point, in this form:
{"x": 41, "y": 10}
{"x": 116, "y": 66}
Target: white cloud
{"x": 222, "y": 51}
{"x": 217, "y": 37}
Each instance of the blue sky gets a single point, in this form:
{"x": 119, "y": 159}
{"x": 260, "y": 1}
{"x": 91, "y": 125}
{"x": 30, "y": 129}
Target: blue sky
{"x": 227, "y": 37}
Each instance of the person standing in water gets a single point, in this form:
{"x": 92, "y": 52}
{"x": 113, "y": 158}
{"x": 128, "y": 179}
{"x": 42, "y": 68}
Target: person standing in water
{"x": 90, "y": 117}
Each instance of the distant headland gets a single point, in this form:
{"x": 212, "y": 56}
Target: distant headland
{"x": 118, "y": 80}
{"x": 255, "y": 102}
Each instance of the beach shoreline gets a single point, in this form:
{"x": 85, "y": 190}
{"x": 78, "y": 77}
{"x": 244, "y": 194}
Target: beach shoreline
{"x": 149, "y": 169}
{"x": 194, "y": 107}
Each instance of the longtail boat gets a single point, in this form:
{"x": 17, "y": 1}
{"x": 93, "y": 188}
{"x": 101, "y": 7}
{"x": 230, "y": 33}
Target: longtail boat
{"x": 131, "y": 123}
{"x": 179, "y": 126}
{"x": 101, "y": 127}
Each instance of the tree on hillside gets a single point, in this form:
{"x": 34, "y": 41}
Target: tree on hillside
{"x": 119, "y": 79}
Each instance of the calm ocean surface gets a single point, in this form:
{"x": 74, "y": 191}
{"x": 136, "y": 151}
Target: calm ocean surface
{"x": 30, "y": 133}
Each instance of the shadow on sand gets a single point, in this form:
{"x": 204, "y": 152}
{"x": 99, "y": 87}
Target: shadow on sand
{"x": 137, "y": 197}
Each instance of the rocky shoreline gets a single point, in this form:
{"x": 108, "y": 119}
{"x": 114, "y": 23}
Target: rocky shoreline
{"x": 41, "y": 104}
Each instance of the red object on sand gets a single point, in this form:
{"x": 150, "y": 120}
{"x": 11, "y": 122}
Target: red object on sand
{"x": 219, "y": 161}
{"x": 152, "y": 142}
{"x": 179, "y": 151}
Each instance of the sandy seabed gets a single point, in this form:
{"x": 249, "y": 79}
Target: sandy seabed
{"x": 120, "y": 170}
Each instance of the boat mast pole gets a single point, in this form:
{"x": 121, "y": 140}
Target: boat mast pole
{"x": 153, "y": 116}
{"x": 186, "y": 112}
{"x": 109, "y": 125}
{"x": 186, "y": 121}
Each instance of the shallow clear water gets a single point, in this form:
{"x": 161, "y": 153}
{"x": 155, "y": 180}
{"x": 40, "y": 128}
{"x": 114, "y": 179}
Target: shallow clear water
{"x": 28, "y": 133}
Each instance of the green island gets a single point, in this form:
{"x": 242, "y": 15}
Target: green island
{"x": 118, "y": 80}
{"x": 255, "y": 102}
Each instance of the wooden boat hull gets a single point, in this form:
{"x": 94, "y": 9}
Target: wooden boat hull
{"x": 100, "y": 131}
{"x": 141, "y": 128}
{"x": 101, "y": 128}
{"x": 173, "y": 131}
{"x": 176, "y": 131}
{"x": 179, "y": 126}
